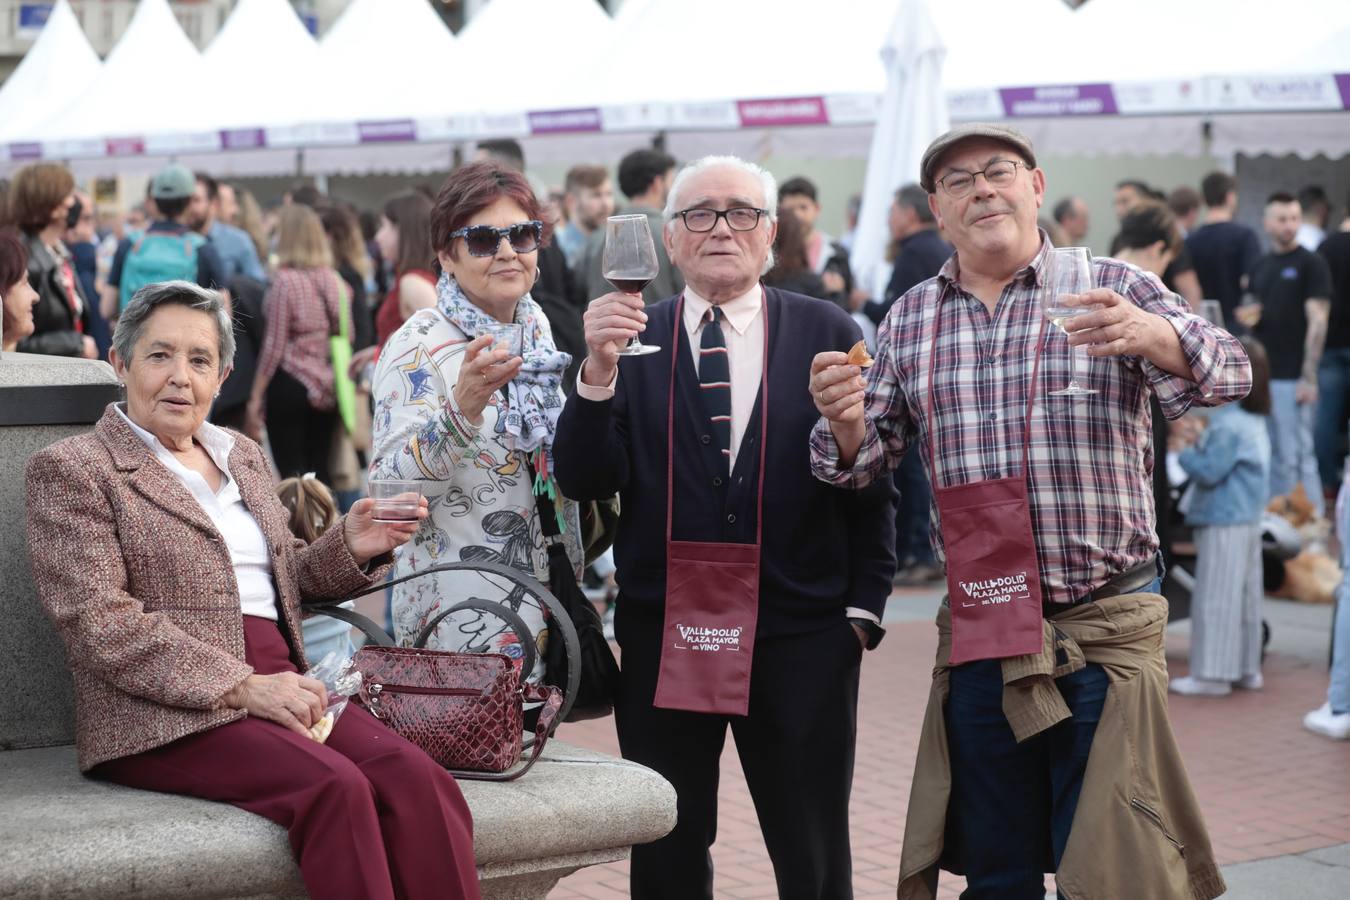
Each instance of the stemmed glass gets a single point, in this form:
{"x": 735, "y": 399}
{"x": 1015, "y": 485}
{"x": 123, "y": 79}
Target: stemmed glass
{"x": 1068, "y": 271}
{"x": 630, "y": 264}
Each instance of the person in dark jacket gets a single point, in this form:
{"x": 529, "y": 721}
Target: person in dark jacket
{"x": 80, "y": 240}
{"x": 726, "y": 546}
{"x": 917, "y": 251}
{"x": 40, "y": 199}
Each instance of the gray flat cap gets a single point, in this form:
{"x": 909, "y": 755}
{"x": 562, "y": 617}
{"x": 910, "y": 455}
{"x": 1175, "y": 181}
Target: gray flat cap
{"x": 987, "y": 130}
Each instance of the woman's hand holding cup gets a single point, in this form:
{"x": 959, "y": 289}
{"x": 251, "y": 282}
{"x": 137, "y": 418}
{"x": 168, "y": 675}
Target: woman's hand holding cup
{"x": 482, "y": 374}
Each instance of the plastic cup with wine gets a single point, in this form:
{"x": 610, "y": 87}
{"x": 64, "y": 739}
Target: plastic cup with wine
{"x": 395, "y": 501}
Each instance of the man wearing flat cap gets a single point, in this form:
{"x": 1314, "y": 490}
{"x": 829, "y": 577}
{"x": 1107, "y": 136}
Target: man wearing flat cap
{"x": 1046, "y": 745}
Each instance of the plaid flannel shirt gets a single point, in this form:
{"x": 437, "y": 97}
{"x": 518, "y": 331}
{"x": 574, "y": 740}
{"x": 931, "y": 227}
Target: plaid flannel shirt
{"x": 1091, "y": 458}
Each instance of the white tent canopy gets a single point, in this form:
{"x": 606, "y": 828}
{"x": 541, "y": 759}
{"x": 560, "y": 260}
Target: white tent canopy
{"x": 149, "y": 83}
{"x": 57, "y": 68}
{"x": 506, "y": 67}
{"x": 382, "y": 61}
{"x": 260, "y": 68}
{"x": 390, "y": 87}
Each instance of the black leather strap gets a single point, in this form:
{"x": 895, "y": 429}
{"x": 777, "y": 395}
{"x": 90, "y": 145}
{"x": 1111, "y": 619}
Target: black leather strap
{"x": 505, "y": 613}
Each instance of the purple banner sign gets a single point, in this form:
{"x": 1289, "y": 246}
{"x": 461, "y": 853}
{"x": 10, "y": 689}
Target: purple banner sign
{"x": 1343, "y": 83}
{"x": 560, "y": 121}
{"x": 785, "y": 111}
{"x": 243, "y": 139}
{"x": 126, "y": 146}
{"x": 381, "y": 132}
{"x": 26, "y": 150}
{"x": 1059, "y": 100}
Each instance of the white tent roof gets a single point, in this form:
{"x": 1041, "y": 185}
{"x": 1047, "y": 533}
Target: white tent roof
{"x": 532, "y": 55}
{"x": 1165, "y": 39}
{"x": 384, "y": 60}
{"x": 56, "y": 69}
{"x": 261, "y": 68}
{"x": 151, "y": 81}
{"x": 1113, "y": 76}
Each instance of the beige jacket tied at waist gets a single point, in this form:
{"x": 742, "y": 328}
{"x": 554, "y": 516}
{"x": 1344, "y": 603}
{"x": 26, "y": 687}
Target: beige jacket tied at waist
{"x": 1138, "y": 828}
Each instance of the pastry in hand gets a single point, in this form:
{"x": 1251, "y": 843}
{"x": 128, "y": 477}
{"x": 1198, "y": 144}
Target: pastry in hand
{"x": 322, "y": 728}
{"x": 858, "y": 355}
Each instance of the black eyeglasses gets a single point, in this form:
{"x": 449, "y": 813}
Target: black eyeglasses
{"x": 999, "y": 173}
{"x": 739, "y": 218}
{"x": 483, "y": 240}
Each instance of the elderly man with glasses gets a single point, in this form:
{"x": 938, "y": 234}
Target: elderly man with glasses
{"x": 1049, "y": 693}
{"x": 748, "y": 589}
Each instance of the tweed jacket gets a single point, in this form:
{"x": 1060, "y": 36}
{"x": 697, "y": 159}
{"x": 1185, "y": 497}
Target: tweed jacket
{"x": 140, "y": 585}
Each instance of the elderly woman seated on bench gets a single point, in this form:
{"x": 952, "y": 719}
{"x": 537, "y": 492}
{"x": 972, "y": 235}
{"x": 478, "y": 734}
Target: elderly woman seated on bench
{"x": 162, "y": 554}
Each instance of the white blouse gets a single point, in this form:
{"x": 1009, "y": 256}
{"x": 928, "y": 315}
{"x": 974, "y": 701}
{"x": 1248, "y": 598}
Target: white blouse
{"x": 225, "y": 508}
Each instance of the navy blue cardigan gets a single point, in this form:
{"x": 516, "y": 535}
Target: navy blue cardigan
{"x": 824, "y": 549}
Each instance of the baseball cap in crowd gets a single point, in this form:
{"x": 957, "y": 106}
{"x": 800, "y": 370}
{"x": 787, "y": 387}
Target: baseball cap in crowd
{"x": 989, "y": 131}
{"x": 173, "y": 183}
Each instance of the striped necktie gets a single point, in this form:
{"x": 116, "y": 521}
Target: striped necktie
{"x": 714, "y": 378}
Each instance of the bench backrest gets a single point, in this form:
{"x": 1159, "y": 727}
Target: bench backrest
{"x": 42, "y": 400}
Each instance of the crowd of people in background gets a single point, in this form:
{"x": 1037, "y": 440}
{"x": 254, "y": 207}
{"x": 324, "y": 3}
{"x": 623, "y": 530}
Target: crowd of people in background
{"x": 292, "y": 273}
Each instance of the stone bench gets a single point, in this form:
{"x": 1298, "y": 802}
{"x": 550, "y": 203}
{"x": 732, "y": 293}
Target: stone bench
{"x": 66, "y": 836}
{"x": 63, "y": 835}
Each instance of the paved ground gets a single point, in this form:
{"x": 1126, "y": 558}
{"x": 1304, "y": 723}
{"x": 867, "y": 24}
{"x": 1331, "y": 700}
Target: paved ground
{"x": 1277, "y": 798}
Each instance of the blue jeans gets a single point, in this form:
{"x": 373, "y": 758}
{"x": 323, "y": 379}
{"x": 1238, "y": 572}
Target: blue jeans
{"x": 1333, "y": 413}
{"x": 912, "y": 545}
{"x": 1338, "y": 693}
{"x": 1292, "y": 458}
{"x": 1012, "y": 804}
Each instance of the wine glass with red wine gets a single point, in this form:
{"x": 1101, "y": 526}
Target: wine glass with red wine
{"x": 630, "y": 264}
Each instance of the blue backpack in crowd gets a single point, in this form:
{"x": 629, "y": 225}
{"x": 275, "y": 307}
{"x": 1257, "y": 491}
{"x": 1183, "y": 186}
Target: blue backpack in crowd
{"x": 159, "y": 256}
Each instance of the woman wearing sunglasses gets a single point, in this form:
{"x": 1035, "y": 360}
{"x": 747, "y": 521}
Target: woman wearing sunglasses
{"x": 472, "y": 420}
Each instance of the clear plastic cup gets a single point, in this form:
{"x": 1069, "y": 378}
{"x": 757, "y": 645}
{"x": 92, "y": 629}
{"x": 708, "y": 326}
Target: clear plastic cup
{"x": 506, "y": 336}
{"x": 395, "y": 501}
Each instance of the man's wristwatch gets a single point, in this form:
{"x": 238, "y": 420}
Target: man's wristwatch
{"x": 873, "y": 631}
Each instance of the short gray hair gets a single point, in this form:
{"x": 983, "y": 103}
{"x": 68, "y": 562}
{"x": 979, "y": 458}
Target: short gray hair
{"x": 131, "y": 324}
{"x": 766, "y": 181}
{"x": 914, "y": 197}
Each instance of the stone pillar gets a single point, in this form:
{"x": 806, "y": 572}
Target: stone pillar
{"x": 42, "y": 400}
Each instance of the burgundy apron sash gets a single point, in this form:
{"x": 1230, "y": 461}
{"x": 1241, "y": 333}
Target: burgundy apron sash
{"x": 993, "y": 571}
{"x": 712, "y": 589}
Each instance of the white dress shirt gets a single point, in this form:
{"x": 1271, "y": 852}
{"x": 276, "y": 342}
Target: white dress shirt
{"x": 745, "y": 358}
{"x": 745, "y": 354}
{"x": 249, "y": 553}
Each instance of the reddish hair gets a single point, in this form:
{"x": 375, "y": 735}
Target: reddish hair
{"x": 13, "y": 260}
{"x": 473, "y": 188}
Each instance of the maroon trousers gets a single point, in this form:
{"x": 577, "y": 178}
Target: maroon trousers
{"x": 369, "y": 814}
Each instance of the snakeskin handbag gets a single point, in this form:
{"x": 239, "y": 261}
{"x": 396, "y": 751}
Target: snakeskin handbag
{"x": 465, "y": 710}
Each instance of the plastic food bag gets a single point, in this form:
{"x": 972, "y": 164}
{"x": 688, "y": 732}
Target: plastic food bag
{"x": 341, "y": 681}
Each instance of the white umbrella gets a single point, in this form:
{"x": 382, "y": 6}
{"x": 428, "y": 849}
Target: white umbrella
{"x": 913, "y": 112}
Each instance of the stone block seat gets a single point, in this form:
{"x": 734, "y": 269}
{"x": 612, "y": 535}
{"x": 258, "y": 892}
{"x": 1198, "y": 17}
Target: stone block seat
{"x": 66, "y": 836}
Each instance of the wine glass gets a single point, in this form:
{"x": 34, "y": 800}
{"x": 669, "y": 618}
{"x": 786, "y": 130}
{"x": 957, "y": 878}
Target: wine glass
{"x": 630, "y": 264}
{"x": 1068, "y": 270}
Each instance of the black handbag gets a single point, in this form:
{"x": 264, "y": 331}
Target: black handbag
{"x": 598, "y": 669}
